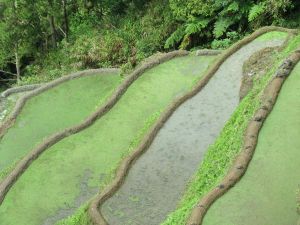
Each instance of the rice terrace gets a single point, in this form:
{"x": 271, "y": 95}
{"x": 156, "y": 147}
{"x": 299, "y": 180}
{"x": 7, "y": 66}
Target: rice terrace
{"x": 200, "y": 132}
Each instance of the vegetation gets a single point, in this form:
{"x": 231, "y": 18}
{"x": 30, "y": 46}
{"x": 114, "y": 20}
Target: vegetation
{"x": 56, "y": 37}
{"x": 219, "y": 156}
{"x": 44, "y": 39}
{"x": 223, "y": 22}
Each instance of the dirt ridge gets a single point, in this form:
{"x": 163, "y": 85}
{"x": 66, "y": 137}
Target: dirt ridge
{"x": 206, "y": 52}
{"x": 242, "y": 161}
{"x": 18, "y": 89}
{"x": 94, "y": 210}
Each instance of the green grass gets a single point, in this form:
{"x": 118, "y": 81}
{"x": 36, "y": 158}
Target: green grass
{"x": 55, "y": 180}
{"x": 219, "y": 156}
{"x": 54, "y": 110}
{"x": 272, "y": 35}
{"x": 81, "y": 217}
{"x": 267, "y": 192}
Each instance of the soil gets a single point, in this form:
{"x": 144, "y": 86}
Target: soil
{"x": 255, "y": 67}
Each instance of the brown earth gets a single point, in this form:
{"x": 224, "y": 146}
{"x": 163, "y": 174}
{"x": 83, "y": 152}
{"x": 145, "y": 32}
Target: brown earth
{"x": 256, "y": 67}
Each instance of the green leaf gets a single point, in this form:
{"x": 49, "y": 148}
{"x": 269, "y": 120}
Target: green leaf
{"x": 221, "y": 26}
{"x": 196, "y": 26}
{"x": 175, "y": 37}
{"x": 256, "y": 11}
{"x": 233, "y": 7}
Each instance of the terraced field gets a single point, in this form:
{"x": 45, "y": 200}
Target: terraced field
{"x": 199, "y": 98}
{"x": 71, "y": 171}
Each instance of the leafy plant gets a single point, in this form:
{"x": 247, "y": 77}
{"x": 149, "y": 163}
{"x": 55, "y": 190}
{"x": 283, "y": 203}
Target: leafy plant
{"x": 175, "y": 37}
{"x": 221, "y": 26}
{"x": 256, "y": 11}
{"x": 224, "y": 43}
{"x": 225, "y": 16}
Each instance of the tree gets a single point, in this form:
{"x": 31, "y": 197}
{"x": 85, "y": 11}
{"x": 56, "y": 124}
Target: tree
{"x": 19, "y": 33}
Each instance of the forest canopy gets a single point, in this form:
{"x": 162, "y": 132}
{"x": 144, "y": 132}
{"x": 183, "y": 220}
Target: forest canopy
{"x": 43, "y": 39}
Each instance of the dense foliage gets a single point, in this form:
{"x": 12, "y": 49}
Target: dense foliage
{"x": 224, "y": 21}
{"x": 43, "y": 39}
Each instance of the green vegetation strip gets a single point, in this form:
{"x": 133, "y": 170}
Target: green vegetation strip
{"x": 53, "y": 110}
{"x": 72, "y": 170}
{"x": 269, "y": 186}
{"x": 219, "y": 156}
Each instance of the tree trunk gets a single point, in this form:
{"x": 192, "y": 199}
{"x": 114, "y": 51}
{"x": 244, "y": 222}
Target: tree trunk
{"x": 46, "y": 44}
{"x": 66, "y": 21}
{"x": 18, "y": 66}
{"x": 52, "y": 24}
{"x": 53, "y": 31}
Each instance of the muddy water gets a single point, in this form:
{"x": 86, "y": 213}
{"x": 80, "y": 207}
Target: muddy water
{"x": 158, "y": 179}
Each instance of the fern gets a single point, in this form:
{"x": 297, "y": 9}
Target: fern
{"x": 256, "y": 11}
{"x": 175, "y": 37}
{"x": 185, "y": 42}
{"x": 220, "y": 3}
{"x": 221, "y": 26}
{"x": 196, "y": 26}
{"x": 184, "y": 32}
{"x": 233, "y": 7}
